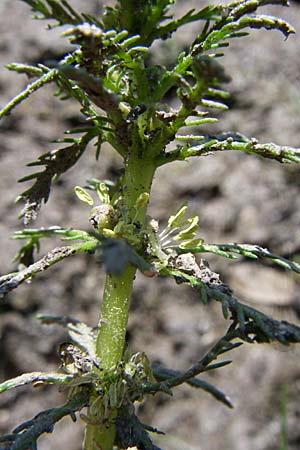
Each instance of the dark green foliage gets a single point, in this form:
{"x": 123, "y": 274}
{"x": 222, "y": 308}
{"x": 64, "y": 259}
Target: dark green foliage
{"x": 56, "y": 162}
{"x": 60, "y": 10}
{"x": 25, "y": 435}
{"x": 131, "y": 432}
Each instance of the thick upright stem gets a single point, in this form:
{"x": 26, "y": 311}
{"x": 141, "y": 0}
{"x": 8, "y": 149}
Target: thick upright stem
{"x": 114, "y": 315}
{"x": 110, "y": 342}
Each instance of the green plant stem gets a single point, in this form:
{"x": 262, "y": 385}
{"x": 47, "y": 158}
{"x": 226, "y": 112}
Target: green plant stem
{"x": 114, "y": 315}
{"x": 32, "y": 87}
{"x": 110, "y": 342}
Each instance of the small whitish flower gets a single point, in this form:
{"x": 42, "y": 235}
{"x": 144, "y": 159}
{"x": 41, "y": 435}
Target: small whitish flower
{"x": 180, "y": 232}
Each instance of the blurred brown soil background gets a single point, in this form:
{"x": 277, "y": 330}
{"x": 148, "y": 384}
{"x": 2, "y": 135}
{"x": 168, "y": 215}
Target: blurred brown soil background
{"x": 238, "y": 197}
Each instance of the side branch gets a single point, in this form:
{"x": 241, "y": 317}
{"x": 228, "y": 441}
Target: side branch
{"x": 13, "y": 280}
{"x": 35, "y": 377}
{"x": 221, "y": 346}
{"x": 251, "y": 251}
{"x": 94, "y": 87}
{"x": 248, "y": 324}
{"x": 163, "y": 374}
{"x": 26, "y": 434}
{"x": 32, "y": 87}
{"x": 282, "y": 154}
